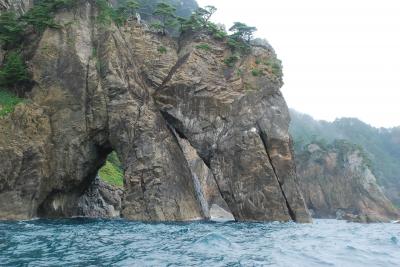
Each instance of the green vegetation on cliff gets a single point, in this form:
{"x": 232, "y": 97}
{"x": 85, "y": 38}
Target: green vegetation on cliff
{"x": 256, "y": 72}
{"x": 164, "y": 17}
{"x": 13, "y": 71}
{"x": 10, "y": 29}
{"x": 165, "y": 14}
{"x": 205, "y": 47}
{"x": 112, "y": 172}
{"x": 242, "y": 31}
{"x": 231, "y": 60}
{"x": 275, "y": 66}
{"x": 41, "y": 15}
{"x": 8, "y": 101}
{"x": 119, "y": 15}
{"x": 184, "y": 8}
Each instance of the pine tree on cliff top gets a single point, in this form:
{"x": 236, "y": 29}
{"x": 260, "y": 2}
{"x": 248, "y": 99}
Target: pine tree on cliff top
{"x": 242, "y": 31}
{"x": 166, "y": 17}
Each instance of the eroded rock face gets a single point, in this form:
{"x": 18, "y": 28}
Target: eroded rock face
{"x": 100, "y": 200}
{"x": 100, "y": 89}
{"x": 337, "y": 183}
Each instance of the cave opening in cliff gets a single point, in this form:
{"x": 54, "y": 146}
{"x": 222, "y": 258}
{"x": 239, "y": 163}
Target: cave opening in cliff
{"x": 102, "y": 198}
{"x": 97, "y": 194}
{"x": 112, "y": 172}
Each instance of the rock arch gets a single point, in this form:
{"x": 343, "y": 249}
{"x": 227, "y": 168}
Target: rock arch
{"x": 101, "y": 89}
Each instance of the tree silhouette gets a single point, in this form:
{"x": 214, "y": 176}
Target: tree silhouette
{"x": 166, "y": 15}
{"x": 242, "y": 31}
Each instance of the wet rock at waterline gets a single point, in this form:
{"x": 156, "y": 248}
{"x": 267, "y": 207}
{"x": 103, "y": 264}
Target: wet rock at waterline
{"x": 99, "y": 89}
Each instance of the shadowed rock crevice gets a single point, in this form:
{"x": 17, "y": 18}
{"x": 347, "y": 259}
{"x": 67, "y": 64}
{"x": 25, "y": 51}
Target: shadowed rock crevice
{"x": 174, "y": 124}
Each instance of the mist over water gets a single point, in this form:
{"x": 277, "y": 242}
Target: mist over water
{"x": 83, "y": 242}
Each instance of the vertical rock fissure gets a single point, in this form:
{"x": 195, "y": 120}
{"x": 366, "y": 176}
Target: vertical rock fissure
{"x": 264, "y": 141}
{"x": 196, "y": 182}
{"x": 87, "y": 105}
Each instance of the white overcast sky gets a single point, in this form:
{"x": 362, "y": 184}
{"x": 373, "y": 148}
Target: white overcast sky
{"x": 341, "y": 58}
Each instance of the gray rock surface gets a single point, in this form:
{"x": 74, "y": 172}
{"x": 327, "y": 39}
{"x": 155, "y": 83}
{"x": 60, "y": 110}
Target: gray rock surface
{"x": 100, "y": 200}
{"x": 99, "y": 89}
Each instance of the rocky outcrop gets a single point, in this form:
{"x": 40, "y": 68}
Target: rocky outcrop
{"x": 382, "y": 145}
{"x": 101, "y": 88}
{"x": 238, "y": 123}
{"x": 100, "y": 200}
{"x": 337, "y": 182}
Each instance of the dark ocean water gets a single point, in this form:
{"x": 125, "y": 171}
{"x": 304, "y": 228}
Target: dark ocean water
{"x": 82, "y": 242}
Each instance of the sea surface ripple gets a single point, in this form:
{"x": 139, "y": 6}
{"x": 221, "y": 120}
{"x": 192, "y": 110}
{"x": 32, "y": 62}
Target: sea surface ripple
{"x": 86, "y": 242}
